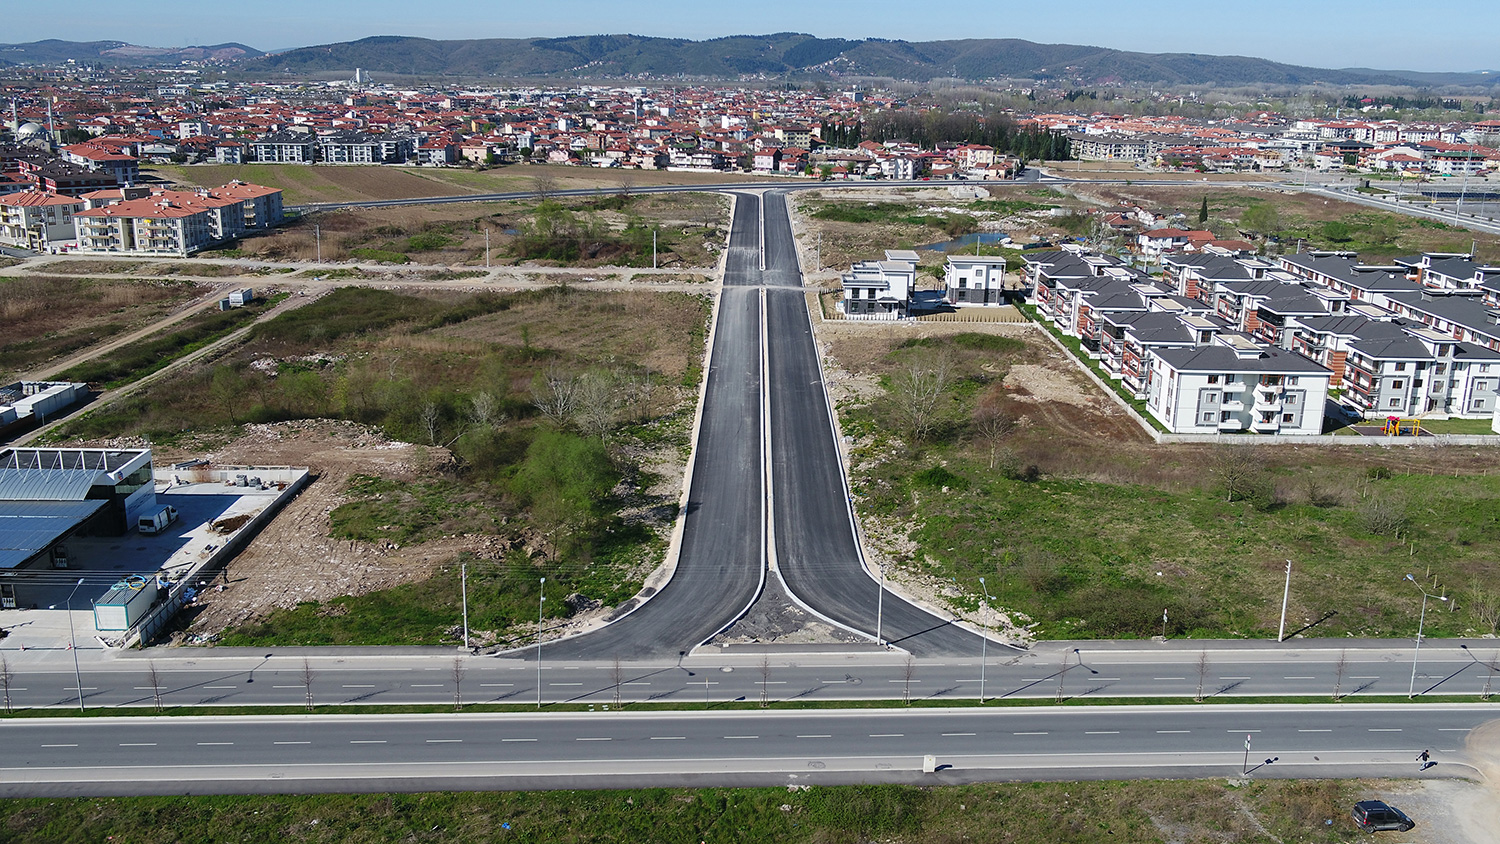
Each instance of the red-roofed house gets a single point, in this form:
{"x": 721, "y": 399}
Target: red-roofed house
{"x": 38, "y": 220}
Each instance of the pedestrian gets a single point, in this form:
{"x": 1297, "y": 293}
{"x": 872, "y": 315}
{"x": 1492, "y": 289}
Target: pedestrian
{"x": 1424, "y": 756}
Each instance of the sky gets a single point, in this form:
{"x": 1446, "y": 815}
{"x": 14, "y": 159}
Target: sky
{"x": 1385, "y": 34}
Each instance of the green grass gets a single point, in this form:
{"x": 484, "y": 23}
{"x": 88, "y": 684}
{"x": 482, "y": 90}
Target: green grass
{"x": 20, "y": 356}
{"x": 1459, "y": 426}
{"x": 1146, "y": 812}
{"x": 139, "y": 360}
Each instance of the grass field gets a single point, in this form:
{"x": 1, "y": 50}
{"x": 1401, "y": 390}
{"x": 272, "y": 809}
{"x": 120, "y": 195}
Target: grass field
{"x": 1032, "y": 813}
{"x": 1089, "y": 530}
{"x": 47, "y": 317}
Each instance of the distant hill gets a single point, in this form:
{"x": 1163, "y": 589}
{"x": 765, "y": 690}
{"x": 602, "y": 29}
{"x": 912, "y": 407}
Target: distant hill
{"x": 118, "y": 53}
{"x": 800, "y": 55}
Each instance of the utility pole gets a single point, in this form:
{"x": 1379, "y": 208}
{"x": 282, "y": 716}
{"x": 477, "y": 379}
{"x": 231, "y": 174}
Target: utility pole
{"x": 318, "y": 238}
{"x": 541, "y": 599}
{"x": 880, "y": 607}
{"x": 486, "y": 247}
{"x": 984, "y": 640}
{"x": 1285, "y": 593}
{"x": 653, "y": 249}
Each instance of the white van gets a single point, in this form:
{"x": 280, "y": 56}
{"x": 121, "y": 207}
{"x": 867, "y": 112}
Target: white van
{"x": 154, "y": 524}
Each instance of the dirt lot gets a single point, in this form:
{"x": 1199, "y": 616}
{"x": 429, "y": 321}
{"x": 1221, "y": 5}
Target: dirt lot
{"x": 304, "y": 183}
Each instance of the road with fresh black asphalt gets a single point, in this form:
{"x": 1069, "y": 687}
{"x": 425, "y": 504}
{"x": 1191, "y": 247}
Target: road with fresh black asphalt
{"x": 59, "y": 756}
{"x": 720, "y": 565}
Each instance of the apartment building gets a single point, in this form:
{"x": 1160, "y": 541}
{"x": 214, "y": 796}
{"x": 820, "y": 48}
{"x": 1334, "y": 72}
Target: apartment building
{"x": 974, "y": 280}
{"x": 1236, "y": 385}
{"x": 880, "y": 289}
{"x": 38, "y": 220}
{"x": 175, "y": 222}
{"x": 1423, "y": 372}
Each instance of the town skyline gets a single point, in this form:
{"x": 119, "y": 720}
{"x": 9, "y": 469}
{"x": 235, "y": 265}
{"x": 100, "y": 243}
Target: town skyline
{"x": 1277, "y": 32}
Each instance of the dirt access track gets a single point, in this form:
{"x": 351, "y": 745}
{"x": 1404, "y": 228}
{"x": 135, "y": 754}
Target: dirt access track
{"x": 294, "y": 559}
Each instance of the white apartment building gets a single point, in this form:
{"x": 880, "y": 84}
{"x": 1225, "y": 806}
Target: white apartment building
{"x": 880, "y": 289}
{"x": 1426, "y": 373}
{"x": 38, "y": 220}
{"x": 974, "y": 279}
{"x": 1236, "y": 385}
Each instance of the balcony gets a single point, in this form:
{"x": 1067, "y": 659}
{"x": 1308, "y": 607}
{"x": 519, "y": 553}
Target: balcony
{"x": 1231, "y": 425}
{"x": 1262, "y": 425}
{"x": 1236, "y": 406}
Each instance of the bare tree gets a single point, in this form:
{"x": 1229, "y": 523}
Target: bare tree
{"x": 1489, "y": 679}
{"x": 555, "y": 395}
{"x": 1339, "y": 669}
{"x": 626, "y": 184}
{"x": 1484, "y": 602}
{"x": 153, "y": 674}
{"x": 484, "y": 410}
{"x": 765, "y": 680}
{"x": 1238, "y": 469}
{"x": 5, "y": 678}
{"x": 991, "y": 427}
{"x": 459, "y": 670}
{"x": 1202, "y": 675}
{"x": 1384, "y": 515}
{"x": 596, "y": 407}
{"x": 308, "y": 675}
{"x": 906, "y": 677}
{"x": 617, "y": 673}
{"x": 917, "y": 390}
{"x": 544, "y": 184}
{"x": 431, "y": 415}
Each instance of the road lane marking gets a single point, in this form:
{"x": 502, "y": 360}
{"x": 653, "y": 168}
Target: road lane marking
{"x": 903, "y": 681}
{"x": 815, "y": 736}
{"x": 59, "y": 745}
{"x": 1377, "y": 677}
{"x": 445, "y": 741}
{"x": 742, "y": 737}
{"x": 215, "y": 744}
{"x": 220, "y": 687}
{"x": 1315, "y": 731}
{"x": 359, "y": 685}
{"x": 636, "y": 683}
{"x": 427, "y": 685}
{"x": 1169, "y": 678}
{"x": 287, "y": 687}
{"x": 1166, "y": 732}
{"x": 1242, "y": 731}
{"x": 1454, "y": 729}
{"x": 367, "y": 741}
{"x": 1299, "y": 678}
{"x": 484, "y": 685}
{"x": 1028, "y": 734}
{"x": 1234, "y": 678}
{"x": 138, "y": 744}
{"x": 783, "y": 682}
{"x": 564, "y": 684}
{"x": 669, "y": 738}
{"x": 958, "y": 734}
{"x": 593, "y": 739}
{"x": 887, "y": 735}
{"x": 291, "y": 742}
{"x": 1101, "y": 732}
{"x": 1384, "y": 730}
{"x": 518, "y": 739}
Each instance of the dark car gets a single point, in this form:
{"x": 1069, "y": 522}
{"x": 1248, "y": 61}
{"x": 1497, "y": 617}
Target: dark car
{"x": 1375, "y": 816}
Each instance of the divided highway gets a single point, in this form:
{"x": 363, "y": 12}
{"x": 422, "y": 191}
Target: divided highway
{"x": 56, "y": 757}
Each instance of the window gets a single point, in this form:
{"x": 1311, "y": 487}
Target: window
{"x": 1397, "y": 385}
{"x": 1291, "y": 380}
{"x": 1210, "y": 398}
{"x": 1287, "y": 417}
{"x": 1479, "y": 404}
{"x": 1401, "y": 367}
{"x": 1208, "y": 417}
{"x": 1213, "y": 379}
{"x": 1290, "y": 400}
{"x": 1224, "y": 416}
{"x": 1394, "y": 403}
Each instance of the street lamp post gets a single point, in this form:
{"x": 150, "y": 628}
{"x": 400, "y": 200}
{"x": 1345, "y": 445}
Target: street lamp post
{"x": 880, "y": 608}
{"x": 984, "y": 640}
{"x": 1411, "y": 690}
{"x": 541, "y": 599}
{"x": 73, "y": 645}
{"x": 463, "y": 588}
{"x": 1285, "y": 594}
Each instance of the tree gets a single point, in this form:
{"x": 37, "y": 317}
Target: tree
{"x": 916, "y": 391}
{"x": 1202, "y": 675}
{"x": 991, "y": 426}
{"x": 431, "y": 415}
{"x": 1238, "y": 469}
{"x": 1484, "y": 602}
{"x": 308, "y": 675}
{"x": 1203, "y": 212}
{"x": 5, "y": 680}
{"x": 596, "y": 408}
{"x": 555, "y": 395}
{"x": 484, "y": 411}
{"x": 459, "y": 670}
{"x": 153, "y": 674}
{"x": 544, "y": 185}
{"x": 1261, "y": 218}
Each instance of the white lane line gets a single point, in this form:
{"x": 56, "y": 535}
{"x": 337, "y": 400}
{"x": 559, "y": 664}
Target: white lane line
{"x": 1376, "y": 677}
{"x": 1384, "y": 730}
{"x": 1101, "y": 732}
{"x": 816, "y": 736}
{"x": 220, "y": 687}
{"x": 564, "y": 684}
{"x": 958, "y": 734}
{"x": 1169, "y": 678}
{"x": 367, "y": 741}
{"x": 593, "y": 739}
{"x": 359, "y": 685}
{"x": 1242, "y": 731}
{"x": 1172, "y": 732}
{"x": 636, "y": 683}
{"x": 1299, "y": 678}
{"x": 215, "y": 744}
{"x": 1032, "y": 679}
{"x": 887, "y": 735}
{"x": 137, "y": 688}
{"x": 1028, "y": 734}
{"x": 1234, "y": 678}
{"x": 287, "y": 687}
{"x": 669, "y": 738}
{"x": 59, "y": 745}
{"x": 291, "y": 742}
{"x": 445, "y": 741}
{"x": 742, "y": 737}
{"x": 903, "y": 681}
{"x": 427, "y": 685}
{"x": 486, "y": 685}
{"x": 518, "y": 739}
{"x": 91, "y": 688}
{"x": 1454, "y": 729}
{"x": 1108, "y": 679}
{"x": 781, "y": 682}
{"x": 138, "y": 744}
{"x": 1315, "y": 731}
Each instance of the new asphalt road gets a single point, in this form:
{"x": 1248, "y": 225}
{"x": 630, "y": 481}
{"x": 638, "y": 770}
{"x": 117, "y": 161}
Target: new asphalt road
{"x": 422, "y": 752}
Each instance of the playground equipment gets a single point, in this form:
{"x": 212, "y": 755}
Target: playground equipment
{"x": 1397, "y": 426}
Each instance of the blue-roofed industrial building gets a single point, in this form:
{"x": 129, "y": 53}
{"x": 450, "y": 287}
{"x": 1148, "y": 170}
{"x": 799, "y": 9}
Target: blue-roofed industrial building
{"x": 50, "y": 494}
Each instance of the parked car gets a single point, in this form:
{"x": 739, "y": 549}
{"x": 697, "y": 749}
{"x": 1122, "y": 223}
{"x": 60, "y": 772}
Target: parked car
{"x": 1376, "y": 816}
{"x": 157, "y": 522}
